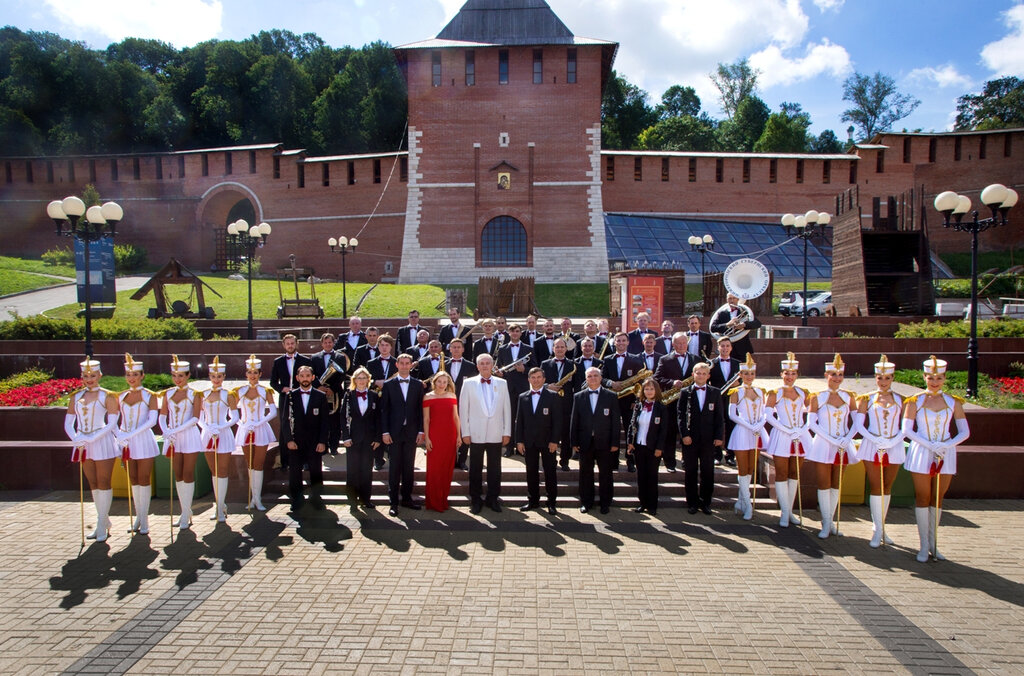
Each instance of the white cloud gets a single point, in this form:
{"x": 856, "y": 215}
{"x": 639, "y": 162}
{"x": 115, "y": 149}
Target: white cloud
{"x": 829, "y": 5}
{"x": 1006, "y": 56}
{"x": 182, "y": 23}
{"x": 451, "y": 8}
{"x": 820, "y": 59}
{"x": 941, "y": 76}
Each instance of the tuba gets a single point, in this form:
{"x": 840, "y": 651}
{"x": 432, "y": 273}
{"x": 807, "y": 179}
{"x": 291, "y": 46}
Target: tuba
{"x": 746, "y": 278}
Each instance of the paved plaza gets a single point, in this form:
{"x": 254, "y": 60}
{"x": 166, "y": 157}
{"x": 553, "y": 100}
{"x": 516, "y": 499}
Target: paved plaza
{"x": 358, "y": 592}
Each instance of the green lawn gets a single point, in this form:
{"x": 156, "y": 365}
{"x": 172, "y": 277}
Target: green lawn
{"x": 28, "y": 265}
{"x": 960, "y": 262}
{"x": 15, "y": 281}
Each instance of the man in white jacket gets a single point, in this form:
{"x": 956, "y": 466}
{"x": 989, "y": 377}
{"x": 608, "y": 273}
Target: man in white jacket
{"x": 485, "y": 414}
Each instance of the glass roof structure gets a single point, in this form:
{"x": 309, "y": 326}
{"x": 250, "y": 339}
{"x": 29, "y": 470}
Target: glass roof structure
{"x": 655, "y": 242}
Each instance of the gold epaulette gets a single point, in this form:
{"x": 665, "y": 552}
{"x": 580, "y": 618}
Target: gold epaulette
{"x": 234, "y": 392}
{"x": 912, "y": 399}
{"x": 863, "y": 397}
{"x": 732, "y": 391}
{"x": 959, "y": 399}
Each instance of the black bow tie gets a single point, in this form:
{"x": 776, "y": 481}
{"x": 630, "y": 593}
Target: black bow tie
{"x": 595, "y": 392}
{"x": 403, "y": 380}
{"x": 693, "y": 333}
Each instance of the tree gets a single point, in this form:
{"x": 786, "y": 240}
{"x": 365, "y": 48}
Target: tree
{"x": 999, "y": 105}
{"x": 678, "y": 101}
{"x": 741, "y": 132}
{"x": 877, "y": 104}
{"x": 827, "y": 143}
{"x": 680, "y": 133}
{"x": 152, "y": 56}
{"x": 785, "y": 131}
{"x": 624, "y": 113}
{"x": 735, "y": 82}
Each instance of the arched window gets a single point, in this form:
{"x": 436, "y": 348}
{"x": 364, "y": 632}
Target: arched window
{"x": 503, "y": 243}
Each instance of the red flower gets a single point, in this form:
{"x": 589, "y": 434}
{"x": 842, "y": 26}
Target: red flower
{"x": 42, "y": 394}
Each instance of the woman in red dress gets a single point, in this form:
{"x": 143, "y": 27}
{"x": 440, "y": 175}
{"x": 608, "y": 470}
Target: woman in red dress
{"x": 441, "y": 423}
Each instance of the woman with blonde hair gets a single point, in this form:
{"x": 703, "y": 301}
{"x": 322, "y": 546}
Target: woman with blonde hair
{"x": 179, "y": 416}
{"x": 139, "y": 411}
{"x": 786, "y": 410}
{"x": 219, "y": 414}
{"x": 257, "y": 408}
{"x": 747, "y": 409}
{"x": 360, "y": 436}
{"x": 441, "y": 427}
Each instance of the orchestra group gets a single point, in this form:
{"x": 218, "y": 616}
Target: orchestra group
{"x": 551, "y": 396}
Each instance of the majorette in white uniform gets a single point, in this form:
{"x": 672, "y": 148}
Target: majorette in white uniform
{"x": 789, "y": 438}
{"x": 91, "y": 431}
{"x": 181, "y": 435}
{"x": 932, "y": 451}
{"x": 833, "y": 440}
{"x": 254, "y": 429}
{"x": 216, "y": 420}
{"x": 749, "y": 433}
{"x": 135, "y": 437}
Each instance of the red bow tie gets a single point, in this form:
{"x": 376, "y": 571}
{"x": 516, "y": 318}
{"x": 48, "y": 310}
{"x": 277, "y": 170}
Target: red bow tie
{"x": 536, "y": 394}
{"x": 648, "y": 405}
{"x": 361, "y": 395}
{"x": 485, "y": 381}
{"x": 559, "y": 361}
{"x": 702, "y": 388}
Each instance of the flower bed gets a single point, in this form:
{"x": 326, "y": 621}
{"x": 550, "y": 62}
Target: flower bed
{"x": 1012, "y": 386}
{"x": 42, "y": 394}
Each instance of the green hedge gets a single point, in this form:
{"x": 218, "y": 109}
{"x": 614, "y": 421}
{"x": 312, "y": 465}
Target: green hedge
{"x": 989, "y": 286}
{"x": 987, "y": 328}
{"x": 25, "y": 379}
{"x": 955, "y": 380}
{"x": 127, "y": 257}
{"x": 44, "y": 328}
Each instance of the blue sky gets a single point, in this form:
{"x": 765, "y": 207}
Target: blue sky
{"x": 936, "y": 50}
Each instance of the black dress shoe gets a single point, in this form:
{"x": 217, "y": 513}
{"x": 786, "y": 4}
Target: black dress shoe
{"x": 718, "y": 462}
{"x": 652, "y": 512}
{"x": 475, "y": 509}
{"x": 584, "y": 509}
{"x": 630, "y": 467}
{"x": 369, "y": 505}
{"x": 640, "y": 510}
{"x": 317, "y": 504}
{"x": 411, "y": 505}
{"x": 496, "y": 506}
{"x": 393, "y": 511}
{"x": 564, "y": 468}
{"x": 528, "y": 506}
{"x": 731, "y": 462}
{"x": 692, "y": 510}
{"x": 575, "y": 456}
{"x": 378, "y": 466}
{"x": 604, "y": 510}
{"x": 462, "y": 466}
{"x": 334, "y": 451}
{"x": 672, "y": 469}
{"x": 509, "y": 452}
{"x": 551, "y": 510}
{"x": 705, "y": 509}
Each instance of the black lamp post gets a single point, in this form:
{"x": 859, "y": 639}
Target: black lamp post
{"x": 251, "y": 238}
{"x": 806, "y": 226}
{"x": 703, "y": 245}
{"x": 999, "y": 199}
{"x": 70, "y": 210}
{"x": 344, "y": 246}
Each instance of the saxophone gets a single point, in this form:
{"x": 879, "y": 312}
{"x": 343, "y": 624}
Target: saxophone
{"x": 631, "y": 385}
{"x": 671, "y": 395}
{"x": 561, "y": 383}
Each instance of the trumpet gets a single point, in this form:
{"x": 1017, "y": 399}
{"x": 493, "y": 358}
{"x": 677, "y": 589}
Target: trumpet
{"x": 508, "y": 367}
{"x": 671, "y": 395}
{"x": 557, "y": 386}
{"x": 631, "y": 385}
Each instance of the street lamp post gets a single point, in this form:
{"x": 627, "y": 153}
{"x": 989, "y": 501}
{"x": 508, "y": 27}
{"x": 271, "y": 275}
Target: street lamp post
{"x": 806, "y": 226}
{"x": 703, "y": 245}
{"x": 250, "y": 238}
{"x": 70, "y": 210}
{"x": 344, "y": 246}
{"x": 999, "y": 199}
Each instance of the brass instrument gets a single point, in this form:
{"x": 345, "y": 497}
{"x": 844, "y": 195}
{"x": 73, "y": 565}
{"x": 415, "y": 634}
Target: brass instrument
{"x": 429, "y": 382}
{"x": 604, "y": 346}
{"x": 745, "y": 278}
{"x": 632, "y": 384}
{"x": 333, "y": 369}
{"x": 380, "y": 389}
{"x": 671, "y": 395}
{"x": 562, "y": 382}
{"x": 508, "y": 367}
{"x": 734, "y": 329}
{"x": 729, "y": 383}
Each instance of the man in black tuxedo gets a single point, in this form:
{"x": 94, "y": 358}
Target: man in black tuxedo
{"x": 454, "y": 330}
{"x": 723, "y": 369}
{"x": 336, "y": 385}
{"x": 555, "y": 369}
{"x": 459, "y": 369}
{"x": 422, "y": 347}
{"x": 489, "y": 342}
{"x": 531, "y": 334}
{"x": 382, "y": 368}
{"x": 282, "y": 377}
{"x": 544, "y": 345}
{"x": 350, "y": 341}
{"x": 567, "y": 332}
{"x": 698, "y": 342}
{"x": 516, "y": 377}
{"x": 720, "y": 324}
{"x": 501, "y": 329}
{"x": 407, "y": 334}
{"x": 589, "y": 331}
{"x": 429, "y": 365}
{"x": 636, "y": 336}
{"x": 304, "y": 430}
{"x": 587, "y": 359}
{"x": 673, "y": 369}
{"x": 618, "y": 368}
{"x": 401, "y": 423}
{"x": 663, "y": 345}
{"x": 594, "y": 431}
{"x": 368, "y": 350}
{"x": 701, "y": 423}
{"x": 538, "y": 429}
{"x": 648, "y": 356}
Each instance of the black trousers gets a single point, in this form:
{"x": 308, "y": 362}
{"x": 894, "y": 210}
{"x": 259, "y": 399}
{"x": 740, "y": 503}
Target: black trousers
{"x": 401, "y": 466}
{"x": 699, "y": 461}
{"x": 333, "y": 429}
{"x": 307, "y": 456}
{"x": 566, "y": 444}
{"x": 646, "y": 477}
{"x": 463, "y": 454}
{"x": 535, "y": 457}
{"x": 626, "y": 415}
{"x": 359, "y": 470}
{"x": 671, "y": 436}
{"x": 476, "y": 472}
{"x": 606, "y": 462}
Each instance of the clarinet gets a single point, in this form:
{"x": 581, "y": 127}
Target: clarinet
{"x": 291, "y": 416}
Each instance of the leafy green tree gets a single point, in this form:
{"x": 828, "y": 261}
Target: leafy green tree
{"x": 744, "y": 129}
{"x": 735, "y": 82}
{"x": 280, "y": 94}
{"x": 876, "y": 103}
{"x": 827, "y": 143}
{"x": 785, "y": 131}
{"x": 679, "y": 101}
{"x": 220, "y": 102}
{"x": 152, "y": 56}
{"x": 680, "y": 133}
{"x": 625, "y": 113}
{"x": 1000, "y": 105}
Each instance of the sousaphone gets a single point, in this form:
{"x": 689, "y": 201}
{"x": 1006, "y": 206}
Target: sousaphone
{"x": 745, "y": 278}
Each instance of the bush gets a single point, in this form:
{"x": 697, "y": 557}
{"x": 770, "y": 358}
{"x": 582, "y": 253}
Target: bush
{"x": 128, "y": 257}
{"x": 989, "y": 286}
{"x": 59, "y": 256}
{"x": 987, "y": 328}
{"x": 225, "y": 336}
{"x": 1016, "y": 369}
{"x": 44, "y": 328}
{"x": 955, "y": 380}
{"x": 151, "y": 381}
{"x": 25, "y": 379}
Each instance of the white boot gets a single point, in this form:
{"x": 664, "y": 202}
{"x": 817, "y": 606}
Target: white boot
{"x": 924, "y": 529}
{"x": 875, "y": 502}
{"x": 782, "y": 495}
{"x": 138, "y": 510}
{"x": 102, "y": 499}
{"x": 257, "y": 490}
{"x": 793, "y": 493}
{"x": 186, "y": 491}
{"x": 222, "y": 494}
{"x": 885, "y": 512}
{"x": 834, "y": 496}
{"x": 741, "y": 494}
{"x": 748, "y": 505}
{"x": 145, "y": 495}
{"x": 825, "y": 506}
{"x": 933, "y": 517}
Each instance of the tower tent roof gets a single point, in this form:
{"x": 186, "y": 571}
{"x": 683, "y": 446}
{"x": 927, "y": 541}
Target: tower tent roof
{"x": 507, "y": 22}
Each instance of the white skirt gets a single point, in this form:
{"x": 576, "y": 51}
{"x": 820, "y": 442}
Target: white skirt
{"x": 743, "y": 439}
{"x": 780, "y": 444}
{"x": 868, "y": 450}
{"x": 187, "y": 441}
{"x": 143, "y": 446}
{"x": 919, "y": 460}
{"x": 263, "y": 435}
{"x": 103, "y": 448}
{"x": 225, "y": 441}
{"x": 825, "y": 452}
